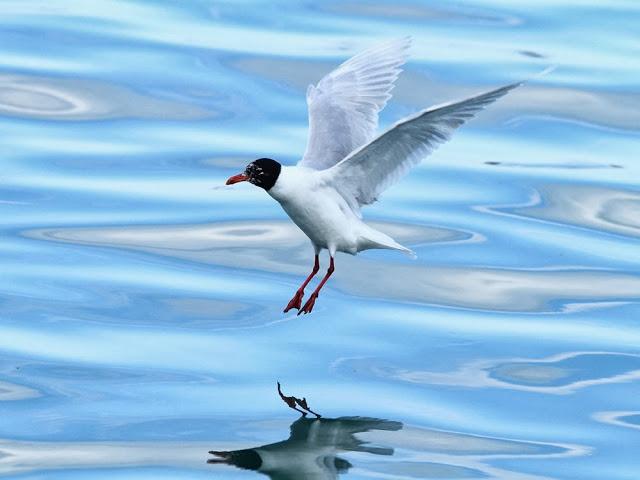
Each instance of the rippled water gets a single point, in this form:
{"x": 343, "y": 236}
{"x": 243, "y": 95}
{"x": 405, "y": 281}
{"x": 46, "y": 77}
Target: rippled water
{"x": 141, "y": 309}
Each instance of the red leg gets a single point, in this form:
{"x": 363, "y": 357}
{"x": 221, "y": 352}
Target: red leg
{"x": 296, "y": 301}
{"x": 312, "y": 299}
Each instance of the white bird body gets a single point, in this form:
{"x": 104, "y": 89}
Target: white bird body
{"x": 324, "y": 215}
{"x": 345, "y": 166}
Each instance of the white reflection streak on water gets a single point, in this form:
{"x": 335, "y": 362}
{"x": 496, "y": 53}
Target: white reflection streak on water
{"x": 11, "y": 392}
{"x": 266, "y": 245}
{"x": 618, "y": 418}
{"x": 478, "y": 374}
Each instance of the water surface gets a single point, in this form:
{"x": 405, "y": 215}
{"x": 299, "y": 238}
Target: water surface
{"x": 142, "y": 321}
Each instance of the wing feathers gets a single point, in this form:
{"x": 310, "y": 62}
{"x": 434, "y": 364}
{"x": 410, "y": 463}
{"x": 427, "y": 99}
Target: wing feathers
{"x": 344, "y": 105}
{"x": 367, "y": 172}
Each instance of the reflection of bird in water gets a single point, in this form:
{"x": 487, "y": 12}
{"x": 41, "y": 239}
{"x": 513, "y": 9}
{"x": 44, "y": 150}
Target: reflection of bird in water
{"x": 311, "y": 450}
{"x": 294, "y": 402}
{"x": 345, "y": 166}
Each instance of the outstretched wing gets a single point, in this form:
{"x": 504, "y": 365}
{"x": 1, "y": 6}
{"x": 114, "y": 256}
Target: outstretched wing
{"x": 367, "y": 172}
{"x": 344, "y": 105}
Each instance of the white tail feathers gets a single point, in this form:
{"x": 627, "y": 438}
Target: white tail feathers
{"x": 372, "y": 238}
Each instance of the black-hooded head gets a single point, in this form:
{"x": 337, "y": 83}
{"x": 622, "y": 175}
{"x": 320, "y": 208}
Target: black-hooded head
{"x": 262, "y": 172}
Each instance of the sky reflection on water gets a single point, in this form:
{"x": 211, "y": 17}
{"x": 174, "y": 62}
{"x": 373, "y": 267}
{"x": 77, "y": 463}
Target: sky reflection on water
{"x": 141, "y": 305}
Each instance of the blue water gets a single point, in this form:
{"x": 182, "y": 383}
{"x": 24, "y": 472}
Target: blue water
{"x": 141, "y": 309}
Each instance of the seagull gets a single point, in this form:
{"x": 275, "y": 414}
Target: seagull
{"x": 346, "y": 166}
{"x": 313, "y": 449}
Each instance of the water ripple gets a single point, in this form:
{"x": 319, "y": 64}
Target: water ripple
{"x": 13, "y": 392}
{"x": 141, "y": 318}
{"x": 628, "y": 419}
{"x": 598, "y": 208}
{"x": 278, "y": 247}
{"x": 560, "y": 374}
{"x": 73, "y": 99}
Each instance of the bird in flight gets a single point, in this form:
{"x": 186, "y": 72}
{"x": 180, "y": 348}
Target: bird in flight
{"x": 345, "y": 165}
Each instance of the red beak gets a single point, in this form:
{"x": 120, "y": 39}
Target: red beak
{"x": 241, "y": 177}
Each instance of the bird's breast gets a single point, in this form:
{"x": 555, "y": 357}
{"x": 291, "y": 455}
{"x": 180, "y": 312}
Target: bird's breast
{"x": 321, "y": 213}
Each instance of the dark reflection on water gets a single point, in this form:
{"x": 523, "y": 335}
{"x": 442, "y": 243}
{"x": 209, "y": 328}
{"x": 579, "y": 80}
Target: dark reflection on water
{"x": 311, "y": 451}
{"x": 326, "y": 448}
{"x": 315, "y": 449}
